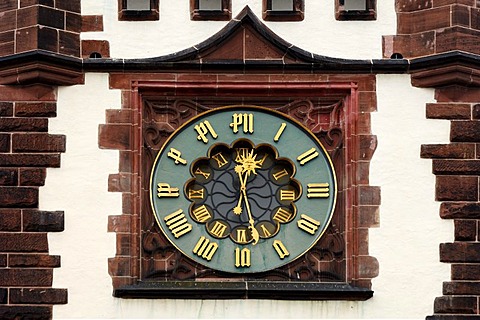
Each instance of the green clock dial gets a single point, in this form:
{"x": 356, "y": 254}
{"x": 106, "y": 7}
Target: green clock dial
{"x": 243, "y": 189}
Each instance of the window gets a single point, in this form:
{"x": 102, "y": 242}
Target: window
{"x": 210, "y": 10}
{"x": 137, "y": 10}
{"x": 355, "y": 10}
{"x": 283, "y": 10}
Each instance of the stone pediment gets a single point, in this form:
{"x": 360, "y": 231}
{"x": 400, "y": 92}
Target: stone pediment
{"x": 244, "y": 38}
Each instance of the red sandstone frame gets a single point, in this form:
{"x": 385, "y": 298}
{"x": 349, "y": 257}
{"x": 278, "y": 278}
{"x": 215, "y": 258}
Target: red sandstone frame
{"x": 337, "y": 111}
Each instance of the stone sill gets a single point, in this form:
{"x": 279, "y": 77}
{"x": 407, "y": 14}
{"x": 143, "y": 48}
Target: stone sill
{"x": 274, "y": 290}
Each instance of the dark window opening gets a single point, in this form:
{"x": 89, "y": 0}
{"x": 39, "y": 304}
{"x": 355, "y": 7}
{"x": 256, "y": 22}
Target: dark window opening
{"x": 138, "y": 10}
{"x": 355, "y": 10}
{"x": 283, "y": 10}
{"x": 217, "y": 10}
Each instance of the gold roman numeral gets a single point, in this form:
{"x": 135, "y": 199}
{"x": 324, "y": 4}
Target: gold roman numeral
{"x": 195, "y": 194}
{"x": 266, "y": 233}
{"x": 165, "y": 191}
{"x": 279, "y": 132}
{"x": 198, "y": 171}
{"x": 242, "y": 153}
{"x": 177, "y": 223}
{"x": 221, "y": 161}
{"x": 242, "y": 236}
{"x": 218, "y": 229}
{"x": 201, "y": 214}
{"x": 308, "y": 224}
{"x": 176, "y": 156}
{"x": 242, "y": 258}
{"x": 280, "y": 174}
{"x": 280, "y": 249}
{"x": 242, "y": 119}
{"x": 287, "y": 195}
{"x": 205, "y": 249}
{"x": 307, "y": 156}
{"x": 283, "y": 215}
{"x": 203, "y": 129}
{"x": 318, "y": 190}
{"x": 261, "y": 161}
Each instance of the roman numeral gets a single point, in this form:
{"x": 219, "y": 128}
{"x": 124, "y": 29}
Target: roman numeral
{"x": 280, "y": 174}
{"x": 198, "y": 171}
{"x": 280, "y": 249}
{"x": 279, "y": 132}
{"x": 242, "y": 236}
{"x": 242, "y": 119}
{"x": 165, "y": 191}
{"x": 287, "y": 195}
{"x": 203, "y": 129}
{"x": 318, "y": 190}
{"x": 177, "y": 223}
{"x": 218, "y": 229}
{"x": 221, "y": 161}
{"x": 307, "y": 156}
{"x": 282, "y": 215}
{"x": 176, "y": 156}
{"x": 308, "y": 224}
{"x": 242, "y": 257}
{"x": 266, "y": 233}
{"x": 201, "y": 214}
{"x": 241, "y": 153}
{"x": 205, "y": 249}
{"x": 195, "y": 194}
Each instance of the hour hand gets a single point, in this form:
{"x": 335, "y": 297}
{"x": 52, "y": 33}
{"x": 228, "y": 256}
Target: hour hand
{"x": 238, "y": 208}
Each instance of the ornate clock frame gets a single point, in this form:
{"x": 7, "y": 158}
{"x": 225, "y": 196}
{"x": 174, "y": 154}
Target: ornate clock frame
{"x": 149, "y": 266}
{"x": 335, "y": 107}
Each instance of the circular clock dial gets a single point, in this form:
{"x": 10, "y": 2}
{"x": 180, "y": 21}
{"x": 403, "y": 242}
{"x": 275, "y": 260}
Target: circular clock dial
{"x": 250, "y": 184}
{"x": 243, "y": 189}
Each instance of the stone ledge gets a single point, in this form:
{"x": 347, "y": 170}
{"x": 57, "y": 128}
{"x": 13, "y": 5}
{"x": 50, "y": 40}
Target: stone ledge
{"x": 450, "y": 68}
{"x": 40, "y": 66}
{"x": 244, "y": 290}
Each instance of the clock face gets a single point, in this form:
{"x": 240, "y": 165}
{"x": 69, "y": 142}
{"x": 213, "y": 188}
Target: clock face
{"x": 243, "y": 189}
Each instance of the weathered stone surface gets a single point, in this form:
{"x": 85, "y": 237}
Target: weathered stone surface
{"x": 43, "y": 221}
{"x": 460, "y": 210}
{"x": 38, "y": 296}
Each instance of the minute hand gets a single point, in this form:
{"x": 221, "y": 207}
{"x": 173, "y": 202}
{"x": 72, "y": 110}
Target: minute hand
{"x": 255, "y": 234}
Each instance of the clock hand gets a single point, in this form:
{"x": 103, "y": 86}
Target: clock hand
{"x": 247, "y": 165}
{"x": 238, "y": 208}
{"x": 255, "y": 234}
{"x": 243, "y": 195}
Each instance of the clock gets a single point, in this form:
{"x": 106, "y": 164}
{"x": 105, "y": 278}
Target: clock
{"x": 243, "y": 189}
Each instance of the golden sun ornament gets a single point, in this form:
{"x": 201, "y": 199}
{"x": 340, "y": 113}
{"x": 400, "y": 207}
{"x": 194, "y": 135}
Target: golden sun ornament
{"x": 248, "y": 164}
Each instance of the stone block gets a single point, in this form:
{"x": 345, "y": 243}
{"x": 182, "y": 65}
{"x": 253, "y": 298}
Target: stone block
{"x": 24, "y": 242}
{"x": 456, "y": 188}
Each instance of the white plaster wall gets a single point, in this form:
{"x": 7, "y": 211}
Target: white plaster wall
{"x": 319, "y": 33}
{"x": 406, "y": 244}
{"x": 79, "y": 188}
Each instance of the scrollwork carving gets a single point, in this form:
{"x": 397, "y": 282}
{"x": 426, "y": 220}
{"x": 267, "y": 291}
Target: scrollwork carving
{"x": 301, "y": 110}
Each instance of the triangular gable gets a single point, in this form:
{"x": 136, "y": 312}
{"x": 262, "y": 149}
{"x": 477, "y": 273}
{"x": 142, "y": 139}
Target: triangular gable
{"x": 244, "y": 39}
